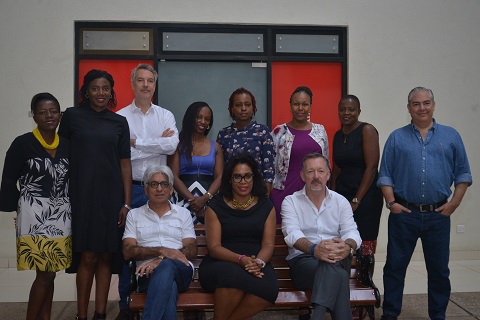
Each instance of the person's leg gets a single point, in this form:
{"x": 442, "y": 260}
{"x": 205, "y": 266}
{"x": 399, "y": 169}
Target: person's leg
{"x": 249, "y": 306}
{"x": 436, "y": 250}
{"x": 403, "y": 233}
{"x": 161, "y": 287}
{"x": 103, "y": 276}
{"x": 226, "y": 300}
{"x": 85, "y": 273}
{"x": 302, "y": 271}
{"x": 40, "y": 298}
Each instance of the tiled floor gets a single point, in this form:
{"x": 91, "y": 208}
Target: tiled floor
{"x": 464, "y": 304}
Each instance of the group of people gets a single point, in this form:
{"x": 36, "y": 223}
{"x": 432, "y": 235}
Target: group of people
{"x": 131, "y": 175}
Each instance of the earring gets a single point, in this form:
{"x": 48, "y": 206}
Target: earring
{"x": 110, "y": 97}
{"x": 86, "y": 95}
{"x": 208, "y": 128}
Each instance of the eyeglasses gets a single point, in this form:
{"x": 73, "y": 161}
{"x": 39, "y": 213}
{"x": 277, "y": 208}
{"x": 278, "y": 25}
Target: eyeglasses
{"x": 155, "y": 184}
{"x": 237, "y": 177}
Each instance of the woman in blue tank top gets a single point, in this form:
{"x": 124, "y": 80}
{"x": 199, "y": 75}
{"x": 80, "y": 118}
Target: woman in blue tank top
{"x": 197, "y": 164}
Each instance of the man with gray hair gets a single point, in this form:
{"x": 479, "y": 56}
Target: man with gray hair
{"x": 153, "y": 136}
{"x": 160, "y": 237}
{"x": 322, "y": 236}
{"x": 420, "y": 163}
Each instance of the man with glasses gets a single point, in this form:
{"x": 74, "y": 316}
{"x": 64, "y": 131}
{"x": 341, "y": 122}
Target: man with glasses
{"x": 322, "y": 236}
{"x": 153, "y": 136}
{"x": 161, "y": 238}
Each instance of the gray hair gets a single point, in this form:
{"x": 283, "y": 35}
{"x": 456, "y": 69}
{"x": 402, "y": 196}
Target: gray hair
{"x": 419, "y": 89}
{"x": 315, "y": 155}
{"x": 154, "y": 169}
{"x": 144, "y": 66}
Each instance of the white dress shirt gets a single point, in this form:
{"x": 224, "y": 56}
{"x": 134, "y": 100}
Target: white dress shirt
{"x": 150, "y": 147}
{"x": 150, "y": 230}
{"x": 302, "y": 219}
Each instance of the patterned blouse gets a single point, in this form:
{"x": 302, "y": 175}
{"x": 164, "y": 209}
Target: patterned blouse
{"x": 283, "y": 140}
{"x": 254, "y": 140}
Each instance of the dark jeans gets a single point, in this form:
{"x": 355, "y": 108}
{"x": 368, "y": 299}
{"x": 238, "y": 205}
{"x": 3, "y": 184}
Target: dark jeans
{"x": 162, "y": 287}
{"x": 404, "y": 229}
{"x": 139, "y": 198}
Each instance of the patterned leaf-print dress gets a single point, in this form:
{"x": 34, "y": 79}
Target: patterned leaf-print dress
{"x": 43, "y": 223}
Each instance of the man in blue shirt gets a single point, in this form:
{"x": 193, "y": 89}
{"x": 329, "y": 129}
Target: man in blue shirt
{"x": 419, "y": 164}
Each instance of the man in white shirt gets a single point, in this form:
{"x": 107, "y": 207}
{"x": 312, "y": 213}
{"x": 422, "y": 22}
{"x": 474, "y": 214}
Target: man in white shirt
{"x": 153, "y": 136}
{"x": 161, "y": 237}
{"x": 321, "y": 235}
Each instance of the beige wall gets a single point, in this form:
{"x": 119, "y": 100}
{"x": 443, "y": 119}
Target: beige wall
{"x": 393, "y": 47}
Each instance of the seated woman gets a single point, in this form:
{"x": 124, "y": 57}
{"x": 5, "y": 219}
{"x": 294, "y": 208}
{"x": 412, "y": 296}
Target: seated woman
{"x": 160, "y": 236}
{"x": 197, "y": 164}
{"x": 240, "y": 229}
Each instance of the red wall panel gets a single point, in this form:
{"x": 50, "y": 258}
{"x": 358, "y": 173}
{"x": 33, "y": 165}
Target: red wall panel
{"x": 121, "y": 72}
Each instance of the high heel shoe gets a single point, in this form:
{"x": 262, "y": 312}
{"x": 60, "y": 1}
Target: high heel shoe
{"x": 80, "y": 318}
{"x": 99, "y": 316}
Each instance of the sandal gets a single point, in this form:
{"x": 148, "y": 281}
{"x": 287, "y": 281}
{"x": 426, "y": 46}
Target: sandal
{"x": 80, "y": 318}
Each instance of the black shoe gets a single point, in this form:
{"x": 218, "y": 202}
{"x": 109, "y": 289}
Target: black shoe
{"x": 124, "y": 314}
{"x": 388, "y": 318}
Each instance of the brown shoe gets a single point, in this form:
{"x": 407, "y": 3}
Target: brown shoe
{"x": 123, "y": 315}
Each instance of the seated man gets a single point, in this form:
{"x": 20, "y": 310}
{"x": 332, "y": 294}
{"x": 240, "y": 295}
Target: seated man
{"x": 161, "y": 237}
{"x": 321, "y": 235}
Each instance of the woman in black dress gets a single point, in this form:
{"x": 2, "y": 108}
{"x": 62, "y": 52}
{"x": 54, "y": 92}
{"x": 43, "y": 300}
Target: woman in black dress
{"x": 356, "y": 153}
{"x": 100, "y": 187}
{"x": 240, "y": 228}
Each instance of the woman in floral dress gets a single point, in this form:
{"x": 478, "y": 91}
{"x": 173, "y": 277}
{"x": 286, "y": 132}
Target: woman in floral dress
{"x": 38, "y": 161}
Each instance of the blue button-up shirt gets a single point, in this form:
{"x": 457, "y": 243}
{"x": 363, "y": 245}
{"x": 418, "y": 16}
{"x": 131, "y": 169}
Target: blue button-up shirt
{"x": 422, "y": 171}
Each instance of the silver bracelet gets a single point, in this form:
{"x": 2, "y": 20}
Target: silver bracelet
{"x": 262, "y": 262}
{"x": 128, "y": 207}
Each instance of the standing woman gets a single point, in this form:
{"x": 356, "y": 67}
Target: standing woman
{"x": 293, "y": 140}
{"x": 100, "y": 189}
{"x": 356, "y": 153}
{"x": 245, "y": 135}
{"x": 38, "y": 161}
{"x": 197, "y": 164}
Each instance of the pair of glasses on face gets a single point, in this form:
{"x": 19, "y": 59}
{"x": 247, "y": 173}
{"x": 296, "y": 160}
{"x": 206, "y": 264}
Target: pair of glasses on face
{"x": 237, "y": 177}
{"x": 155, "y": 184}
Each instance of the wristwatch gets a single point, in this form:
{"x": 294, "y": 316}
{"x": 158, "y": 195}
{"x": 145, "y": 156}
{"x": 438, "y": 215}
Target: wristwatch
{"x": 351, "y": 249}
{"x": 355, "y": 200}
{"x": 390, "y": 204}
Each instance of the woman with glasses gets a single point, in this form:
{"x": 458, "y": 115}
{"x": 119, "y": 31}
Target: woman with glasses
{"x": 161, "y": 237}
{"x": 293, "y": 140}
{"x": 240, "y": 229}
{"x": 38, "y": 162}
{"x": 197, "y": 164}
{"x": 100, "y": 188}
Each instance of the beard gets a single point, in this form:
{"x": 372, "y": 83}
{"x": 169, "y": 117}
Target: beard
{"x": 316, "y": 186}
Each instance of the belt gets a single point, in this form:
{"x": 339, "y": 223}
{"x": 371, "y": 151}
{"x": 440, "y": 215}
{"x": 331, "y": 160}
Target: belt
{"x": 419, "y": 207}
{"x": 138, "y": 183}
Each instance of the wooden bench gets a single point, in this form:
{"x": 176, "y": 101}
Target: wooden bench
{"x": 363, "y": 292}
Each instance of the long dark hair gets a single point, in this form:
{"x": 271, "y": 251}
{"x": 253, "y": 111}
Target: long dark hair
{"x": 87, "y": 79}
{"x": 259, "y": 188}
{"x": 188, "y": 126}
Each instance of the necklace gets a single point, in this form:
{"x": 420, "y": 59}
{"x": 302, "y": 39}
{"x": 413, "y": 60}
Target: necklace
{"x": 199, "y": 163}
{"x": 44, "y": 144}
{"x": 243, "y": 206}
{"x": 345, "y": 134}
